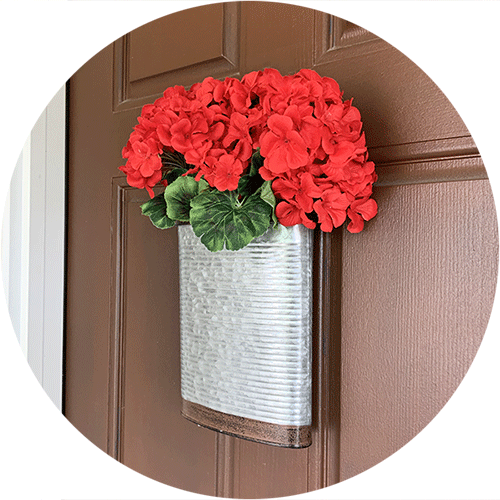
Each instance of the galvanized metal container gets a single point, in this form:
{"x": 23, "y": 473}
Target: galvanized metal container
{"x": 246, "y": 336}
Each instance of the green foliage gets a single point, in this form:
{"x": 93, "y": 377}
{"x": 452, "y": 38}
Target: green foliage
{"x": 222, "y": 220}
{"x": 179, "y": 194}
{"x": 226, "y": 219}
{"x": 252, "y": 181}
{"x": 248, "y": 185}
{"x": 156, "y": 210}
{"x": 266, "y": 193}
{"x": 256, "y": 163}
{"x": 173, "y": 174}
{"x": 175, "y": 165}
{"x": 173, "y": 159}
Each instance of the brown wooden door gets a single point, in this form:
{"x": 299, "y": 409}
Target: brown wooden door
{"x": 400, "y": 309}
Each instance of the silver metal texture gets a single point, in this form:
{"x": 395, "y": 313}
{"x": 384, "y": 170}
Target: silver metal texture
{"x": 246, "y": 325}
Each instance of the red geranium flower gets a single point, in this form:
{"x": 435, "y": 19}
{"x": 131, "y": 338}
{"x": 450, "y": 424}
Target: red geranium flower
{"x": 228, "y": 173}
{"x": 186, "y": 130}
{"x": 144, "y": 157}
{"x": 136, "y": 179}
{"x": 312, "y": 143}
{"x": 309, "y": 128}
{"x": 238, "y": 137}
{"x": 290, "y": 214}
{"x": 301, "y": 188}
{"x": 164, "y": 121}
{"x": 349, "y": 126}
{"x": 282, "y": 147}
{"x": 359, "y": 211}
{"x": 331, "y": 209}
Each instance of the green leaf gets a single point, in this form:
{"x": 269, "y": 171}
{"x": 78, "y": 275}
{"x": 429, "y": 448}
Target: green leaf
{"x": 178, "y": 196}
{"x": 203, "y": 185}
{"x": 256, "y": 163}
{"x": 173, "y": 174}
{"x": 156, "y": 210}
{"x": 223, "y": 221}
{"x": 266, "y": 193}
{"x": 249, "y": 183}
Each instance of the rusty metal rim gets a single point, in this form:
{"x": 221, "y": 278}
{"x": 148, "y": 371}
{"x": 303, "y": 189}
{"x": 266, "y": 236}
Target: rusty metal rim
{"x": 287, "y": 436}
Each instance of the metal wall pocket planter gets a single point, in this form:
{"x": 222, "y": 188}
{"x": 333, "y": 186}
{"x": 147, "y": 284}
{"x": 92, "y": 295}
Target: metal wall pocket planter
{"x": 246, "y": 336}
{"x": 249, "y": 168}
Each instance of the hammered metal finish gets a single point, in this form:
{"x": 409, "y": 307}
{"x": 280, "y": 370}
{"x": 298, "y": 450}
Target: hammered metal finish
{"x": 246, "y": 326}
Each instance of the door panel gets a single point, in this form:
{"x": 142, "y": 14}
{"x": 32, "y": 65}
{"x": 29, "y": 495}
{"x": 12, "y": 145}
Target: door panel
{"x": 399, "y": 309}
{"x": 422, "y": 281}
{"x": 276, "y": 36}
{"x": 148, "y": 389}
{"x": 161, "y": 54}
{"x": 399, "y": 104}
{"x": 158, "y": 37}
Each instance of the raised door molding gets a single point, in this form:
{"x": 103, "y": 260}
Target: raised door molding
{"x": 334, "y": 33}
{"x": 139, "y": 79}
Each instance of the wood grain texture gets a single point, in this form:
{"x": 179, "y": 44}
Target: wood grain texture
{"x": 434, "y": 149}
{"x": 399, "y": 103}
{"x": 416, "y": 297}
{"x": 265, "y": 472}
{"x": 226, "y": 478}
{"x": 431, "y": 171}
{"x": 275, "y": 35}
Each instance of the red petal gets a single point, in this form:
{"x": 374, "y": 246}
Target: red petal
{"x": 356, "y": 225}
{"x": 308, "y": 185}
{"x": 304, "y": 201}
{"x": 368, "y": 209}
{"x": 266, "y": 174}
{"x": 288, "y": 214}
{"x": 284, "y": 188}
{"x": 280, "y": 124}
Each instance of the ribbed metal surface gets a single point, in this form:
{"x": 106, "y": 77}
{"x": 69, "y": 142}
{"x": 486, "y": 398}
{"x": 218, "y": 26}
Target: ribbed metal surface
{"x": 246, "y": 326}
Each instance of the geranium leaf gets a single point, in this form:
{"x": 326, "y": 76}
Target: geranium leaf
{"x": 178, "y": 196}
{"x": 266, "y": 193}
{"x": 252, "y": 181}
{"x": 256, "y": 163}
{"x": 156, "y": 210}
{"x": 173, "y": 174}
{"x": 202, "y": 185}
{"x": 223, "y": 221}
{"x": 248, "y": 184}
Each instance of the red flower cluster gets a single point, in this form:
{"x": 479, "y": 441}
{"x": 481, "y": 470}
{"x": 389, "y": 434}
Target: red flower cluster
{"x": 313, "y": 147}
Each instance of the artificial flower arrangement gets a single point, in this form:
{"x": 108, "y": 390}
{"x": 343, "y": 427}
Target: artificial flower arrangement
{"x": 238, "y": 156}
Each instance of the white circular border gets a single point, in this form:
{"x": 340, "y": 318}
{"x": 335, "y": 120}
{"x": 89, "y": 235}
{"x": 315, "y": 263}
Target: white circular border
{"x": 42, "y": 43}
